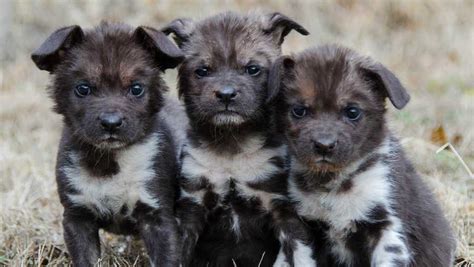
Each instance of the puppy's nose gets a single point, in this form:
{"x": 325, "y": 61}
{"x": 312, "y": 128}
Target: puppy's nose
{"x": 110, "y": 121}
{"x": 324, "y": 146}
{"x": 226, "y": 94}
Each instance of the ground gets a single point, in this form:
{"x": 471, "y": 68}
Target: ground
{"x": 428, "y": 44}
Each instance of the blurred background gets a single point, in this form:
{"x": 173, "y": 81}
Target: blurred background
{"x": 428, "y": 44}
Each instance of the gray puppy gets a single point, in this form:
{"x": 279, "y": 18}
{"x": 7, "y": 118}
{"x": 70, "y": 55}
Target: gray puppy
{"x": 233, "y": 177}
{"x": 350, "y": 178}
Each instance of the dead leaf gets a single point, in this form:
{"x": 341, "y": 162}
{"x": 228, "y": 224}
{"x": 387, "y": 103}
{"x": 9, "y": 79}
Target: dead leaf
{"x": 438, "y": 135}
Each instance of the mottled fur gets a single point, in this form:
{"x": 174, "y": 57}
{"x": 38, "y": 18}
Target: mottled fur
{"x": 120, "y": 179}
{"x": 234, "y": 171}
{"x": 359, "y": 194}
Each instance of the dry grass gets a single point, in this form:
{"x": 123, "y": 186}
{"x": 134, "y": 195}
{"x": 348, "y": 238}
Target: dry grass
{"x": 428, "y": 43}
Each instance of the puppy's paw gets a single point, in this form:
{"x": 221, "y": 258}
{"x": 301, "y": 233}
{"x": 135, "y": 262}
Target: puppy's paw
{"x": 281, "y": 260}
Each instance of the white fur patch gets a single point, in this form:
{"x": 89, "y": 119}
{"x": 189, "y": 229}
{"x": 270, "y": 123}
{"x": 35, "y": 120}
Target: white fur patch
{"x": 107, "y": 195}
{"x": 281, "y": 260}
{"x": 302, "y": 255}
{"x": 251, "y": 165}
{"x": 369, "y": 189}
{"x": 226, "y": 119}
{"x": 236, "y": 224}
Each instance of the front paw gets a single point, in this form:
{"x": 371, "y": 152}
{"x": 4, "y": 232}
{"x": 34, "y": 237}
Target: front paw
{"x": 281, "y": 260}
{"x": 391, "y": 256}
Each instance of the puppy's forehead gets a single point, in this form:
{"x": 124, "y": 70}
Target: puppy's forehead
{"x": 110, "y": 55}
{"x": 233, "y": 37}
{"x": 328, "y": 78}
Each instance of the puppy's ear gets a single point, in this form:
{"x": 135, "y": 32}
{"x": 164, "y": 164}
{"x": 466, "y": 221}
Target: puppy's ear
{"x": 166, "y": 54}
{"x": 280, "y": 25}
{"x": 281, "y": 68}
{"x": 181, "y": 28}
{"x": 52, "y": 51}
{"x": 386, "y": 81}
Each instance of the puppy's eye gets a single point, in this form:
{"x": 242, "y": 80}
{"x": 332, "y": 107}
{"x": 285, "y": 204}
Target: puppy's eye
{"x": 82, "y": 90}
{"x": 202, "y": 72}
{"x": 253, "y": 70}
{"x": 298, "y": 112}
{"x": 137, "y": 90}
{"x": 352, "y": 113}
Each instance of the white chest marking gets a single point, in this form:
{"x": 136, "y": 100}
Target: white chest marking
{"x": 107, "y": 195}
{"x": 340, "y": 209}
{"x": 251, "y": 165}
{"x": 369, "y": 189}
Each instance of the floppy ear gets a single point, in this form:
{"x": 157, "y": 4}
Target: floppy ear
{"x": 166, "y": 54}
{"x": 281, "y": 67}
{"x": 280, "y": 25}
{"x": 181, "y": 28}
{"x": 52, "y": 51}
{"x": 389, "y": 83}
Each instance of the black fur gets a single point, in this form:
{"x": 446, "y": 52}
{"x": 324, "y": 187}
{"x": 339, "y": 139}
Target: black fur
{"x": 109, "y": 59}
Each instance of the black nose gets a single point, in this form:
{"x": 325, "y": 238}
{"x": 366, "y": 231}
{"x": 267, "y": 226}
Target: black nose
{"x": 324, "y": 146}
{"x": 226, "y": 94}
{"x": 110, "y": 121}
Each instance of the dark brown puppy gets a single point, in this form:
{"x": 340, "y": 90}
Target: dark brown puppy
{"x": 116, "y": 163}
{"x": 349, "y": 175}
{"x": 233, "y": 176}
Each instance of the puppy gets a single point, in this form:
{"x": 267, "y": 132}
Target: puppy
{"x": 116, "y": 163}
{"x": 349, "y": 176}
{"x": 233, "y": 174}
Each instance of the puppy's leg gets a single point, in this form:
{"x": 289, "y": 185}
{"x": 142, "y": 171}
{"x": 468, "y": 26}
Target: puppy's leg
{"x": 192, "y": 217}
{"x": 81, "y": 235}
{"x": 159, "y": 232}
{"x": 294, "y": 237}
{"x": 391, "y": 249}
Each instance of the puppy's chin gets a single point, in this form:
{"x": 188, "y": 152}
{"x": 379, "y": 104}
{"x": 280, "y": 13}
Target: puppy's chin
{"x": 110, "y": 142}
{"x": 228, "y": 119}
{"x": 111, "y": 145}
{"x": 317, "y": 165}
